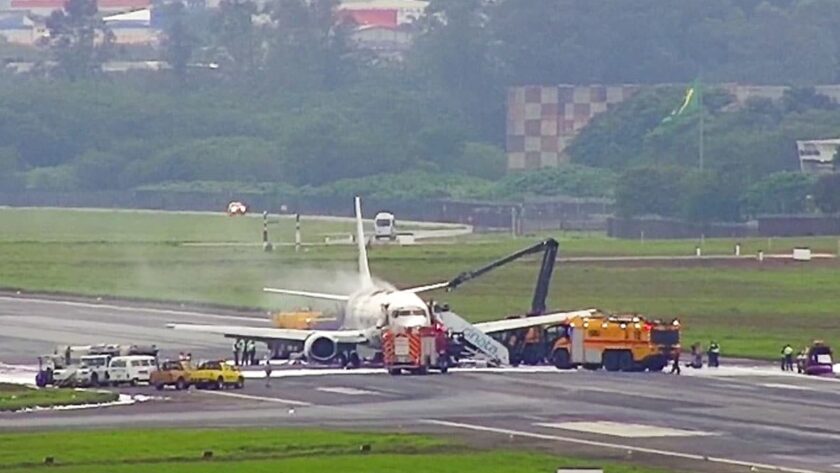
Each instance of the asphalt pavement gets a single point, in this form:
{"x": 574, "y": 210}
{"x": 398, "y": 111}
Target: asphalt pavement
{"x": 734, "y": 418}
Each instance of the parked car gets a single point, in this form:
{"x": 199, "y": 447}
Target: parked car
{"x": 217, "y": 375}
{"x": 172, "y": 373}
{"x": 131, "y": 369}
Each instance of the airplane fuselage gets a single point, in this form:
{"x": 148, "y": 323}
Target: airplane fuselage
{"x": 374, "y": 308}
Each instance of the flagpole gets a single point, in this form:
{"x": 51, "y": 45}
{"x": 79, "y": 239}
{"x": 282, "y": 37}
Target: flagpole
{"x": 702, "y": 122}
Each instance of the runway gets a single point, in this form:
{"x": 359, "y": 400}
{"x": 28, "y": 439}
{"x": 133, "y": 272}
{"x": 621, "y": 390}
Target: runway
{"x": 706, "y": 420}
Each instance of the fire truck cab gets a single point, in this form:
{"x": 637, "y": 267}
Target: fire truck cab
{"x": 616, "y": 343}
{"x": 416, "y": 349}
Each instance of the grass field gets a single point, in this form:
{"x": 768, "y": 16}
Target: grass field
{"x": 264, "y": 450}
{"x": 750, "y": 308}
{"x": 14, "y": 397}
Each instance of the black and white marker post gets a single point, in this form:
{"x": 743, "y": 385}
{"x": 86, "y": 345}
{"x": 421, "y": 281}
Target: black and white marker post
{"x": 297, "y": 233}
{"x": 267, "y": 246}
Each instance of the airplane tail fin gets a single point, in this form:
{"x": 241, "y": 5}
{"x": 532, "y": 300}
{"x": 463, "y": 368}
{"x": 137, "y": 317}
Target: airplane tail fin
{"x": 364, "y": 268}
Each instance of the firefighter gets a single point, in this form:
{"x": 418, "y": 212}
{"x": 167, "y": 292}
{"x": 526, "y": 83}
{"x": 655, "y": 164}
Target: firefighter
{"x": 238, "y": 348}
{"x": 675, "y": 366}
{"x": 267, "y": 371}
{"x": 696, "y": 356}
{"x": 250, "y": 353}
{"x": 801, "y": 360}
{"x": 787, "y": 358}
{"x": 714, "y": 354}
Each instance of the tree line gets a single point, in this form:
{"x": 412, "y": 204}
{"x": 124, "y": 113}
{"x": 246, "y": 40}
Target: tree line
{"x": 278, "y": 93}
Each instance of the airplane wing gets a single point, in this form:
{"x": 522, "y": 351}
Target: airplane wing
{"x": 526, "y": 322}
{"x": 266, "y": 333}
{"x": 427, "y": 287}
{"x": 314, "y": 295}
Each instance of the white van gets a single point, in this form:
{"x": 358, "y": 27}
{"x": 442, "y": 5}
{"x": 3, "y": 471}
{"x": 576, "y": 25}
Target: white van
{"x": 385, "y": 226}
{"x": 131, "y": 369}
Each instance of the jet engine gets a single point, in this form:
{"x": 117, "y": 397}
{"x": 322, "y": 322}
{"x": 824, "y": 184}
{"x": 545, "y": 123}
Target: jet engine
{"x": 320, "y": 347}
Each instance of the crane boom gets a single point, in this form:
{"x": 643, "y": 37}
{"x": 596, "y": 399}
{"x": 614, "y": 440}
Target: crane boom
{"x": 548, "y": 247}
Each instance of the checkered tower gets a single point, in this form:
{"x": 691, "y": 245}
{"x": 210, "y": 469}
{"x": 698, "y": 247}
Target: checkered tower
{"x": 542, "y": 120}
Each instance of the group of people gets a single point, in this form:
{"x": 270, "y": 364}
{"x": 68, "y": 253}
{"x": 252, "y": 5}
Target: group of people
{"x": 244, "y": 352}
{"x": 697, "y": 357}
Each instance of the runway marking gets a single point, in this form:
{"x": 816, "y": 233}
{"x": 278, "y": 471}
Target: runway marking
{"x": 617, "y": 446}
{"x": 347, "y": 391}
{"x": 91, "y": 305}
{"x": 624, "y": 430}
{"x": 787, "y": 386}
{"x": 277, "y": 400}
{"x": 624, "y": 393}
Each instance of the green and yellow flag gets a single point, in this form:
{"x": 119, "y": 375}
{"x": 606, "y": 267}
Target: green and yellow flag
{"x": 691, "y": 102}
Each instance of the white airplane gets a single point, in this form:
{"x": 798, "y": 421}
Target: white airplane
{"x": 366, "y": 312}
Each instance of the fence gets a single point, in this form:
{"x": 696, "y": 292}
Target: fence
{"x": 561, "y": 213}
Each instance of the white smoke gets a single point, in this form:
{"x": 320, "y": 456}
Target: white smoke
{"x": 338, "y": 281}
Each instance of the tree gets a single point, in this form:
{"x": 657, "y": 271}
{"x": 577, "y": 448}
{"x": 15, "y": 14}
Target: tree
{"x": 80, "y": 41}
{"x": 708, "y": 197}
{"x": 307, "y": 47}
{"x": 482, "y": 160}
{"x": 779, "y": 193}
{"x": 10, "y": 161}
{"x": 453, "y": 54}
{"x": 98, "y": 170}
{"x": 571, "y": 180}
{"x": 649, "y": 190}
{"x": 236, "y": 40}
{"x": 178, "y": 40}
{"x": 800, "y": 99}
{"x": 827, "y": 193}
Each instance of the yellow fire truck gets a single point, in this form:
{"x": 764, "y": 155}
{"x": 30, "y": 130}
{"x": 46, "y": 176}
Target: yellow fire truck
{"x": 616, "y": 343}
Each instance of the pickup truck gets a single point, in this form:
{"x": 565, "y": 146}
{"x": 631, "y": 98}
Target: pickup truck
{"x": 217, "y": 375}
{"x": 172, "y": 373}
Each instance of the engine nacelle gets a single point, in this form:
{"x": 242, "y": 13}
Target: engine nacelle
{"x": 320, "y": 347}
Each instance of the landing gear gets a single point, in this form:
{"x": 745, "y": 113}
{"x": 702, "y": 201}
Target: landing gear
{"x": 349, "y": 360}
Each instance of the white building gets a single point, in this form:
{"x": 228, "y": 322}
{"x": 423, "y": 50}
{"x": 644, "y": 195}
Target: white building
{"x": 817, "y": 156}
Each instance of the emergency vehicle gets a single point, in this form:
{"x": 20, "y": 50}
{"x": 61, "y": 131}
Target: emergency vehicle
{"x": 236, "y": 208}
{"x": 415, "y": 349}
{"x": 615, "y": 342}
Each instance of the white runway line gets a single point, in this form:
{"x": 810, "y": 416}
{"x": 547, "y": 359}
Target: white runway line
{"x": 289, "y": 402}
{"x": 347, "y": 391}
{"x": 618, "y": 429}
{"x": 793, "y": 387}
{"x": 755, "y": 371}
{"x": 593, "y": 443}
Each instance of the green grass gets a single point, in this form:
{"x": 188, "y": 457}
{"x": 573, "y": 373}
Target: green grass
{"x": 751, "y": 309}
{"x": 14, "y": 397}
{"x": 92, "y": 226}
{"x": 264, "y": 450}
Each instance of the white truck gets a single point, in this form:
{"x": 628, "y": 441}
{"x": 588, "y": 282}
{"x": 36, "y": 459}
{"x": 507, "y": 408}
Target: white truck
{"x": 385, "y": 226}
{"x": 91, "y": 370}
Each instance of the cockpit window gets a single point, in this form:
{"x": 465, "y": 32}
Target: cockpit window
{"x": 407, "y": 312}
